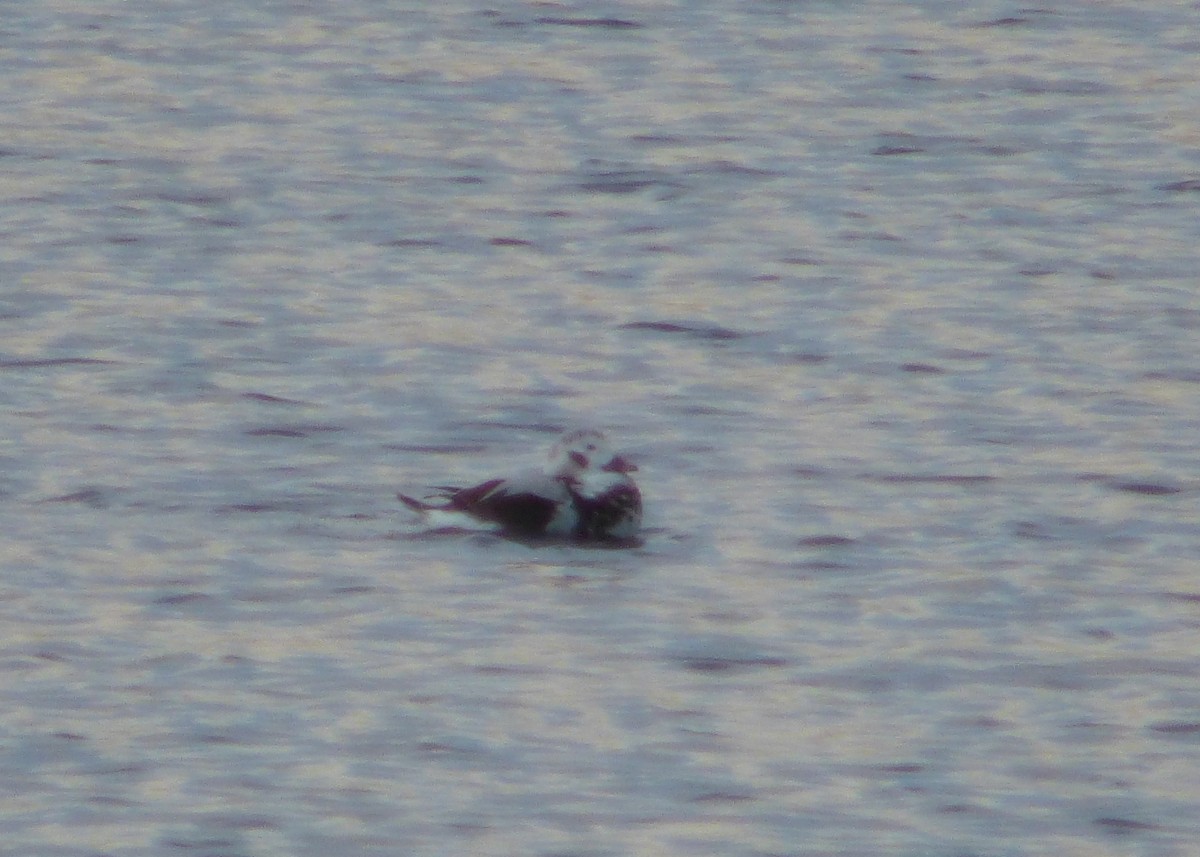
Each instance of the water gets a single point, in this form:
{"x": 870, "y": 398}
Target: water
{"x": 895, "y": 305}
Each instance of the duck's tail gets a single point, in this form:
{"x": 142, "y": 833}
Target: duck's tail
{"x": 415, "y": 504}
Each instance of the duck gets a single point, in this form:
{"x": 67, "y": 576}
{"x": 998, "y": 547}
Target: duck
{"x": 583, "y": 493}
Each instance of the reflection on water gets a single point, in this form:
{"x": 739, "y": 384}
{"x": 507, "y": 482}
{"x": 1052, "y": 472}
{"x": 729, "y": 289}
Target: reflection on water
{"x": 895, "y": 311}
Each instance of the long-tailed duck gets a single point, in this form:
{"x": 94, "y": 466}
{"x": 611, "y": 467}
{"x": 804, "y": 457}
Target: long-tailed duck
{"x": 584, "y": 493}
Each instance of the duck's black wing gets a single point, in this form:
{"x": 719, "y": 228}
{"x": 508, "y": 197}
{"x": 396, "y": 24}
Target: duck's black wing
{"x": 517, "y": 510}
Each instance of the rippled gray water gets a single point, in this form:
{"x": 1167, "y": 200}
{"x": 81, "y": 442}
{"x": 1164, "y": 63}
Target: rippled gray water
{"x": 895, "y": 305}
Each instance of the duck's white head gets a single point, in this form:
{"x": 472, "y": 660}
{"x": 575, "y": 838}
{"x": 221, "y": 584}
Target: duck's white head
{"x": 582, "y": 451}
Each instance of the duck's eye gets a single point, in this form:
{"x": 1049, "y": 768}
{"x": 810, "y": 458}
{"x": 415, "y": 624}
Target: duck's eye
{"x": 591, "y": 447}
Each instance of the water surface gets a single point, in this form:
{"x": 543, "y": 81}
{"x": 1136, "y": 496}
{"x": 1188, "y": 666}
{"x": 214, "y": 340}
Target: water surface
{"x": 895, "y": 306}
